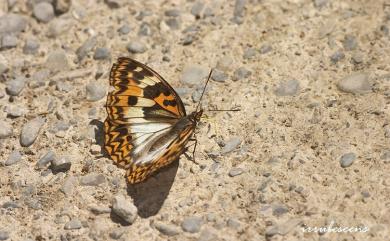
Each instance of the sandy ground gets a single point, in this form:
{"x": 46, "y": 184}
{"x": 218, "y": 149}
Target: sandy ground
{"x": 309, "y": 148}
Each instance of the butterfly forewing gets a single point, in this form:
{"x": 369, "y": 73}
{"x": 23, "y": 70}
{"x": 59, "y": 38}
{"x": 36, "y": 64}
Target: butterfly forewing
{"x": 141, "y": 130}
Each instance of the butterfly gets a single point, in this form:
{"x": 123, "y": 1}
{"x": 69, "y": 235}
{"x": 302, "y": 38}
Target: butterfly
{"x": 146, "y": 126}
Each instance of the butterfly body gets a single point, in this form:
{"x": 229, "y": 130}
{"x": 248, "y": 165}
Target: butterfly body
{"x": 147, "y": 126}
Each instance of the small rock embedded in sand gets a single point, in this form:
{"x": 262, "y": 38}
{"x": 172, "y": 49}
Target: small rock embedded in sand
{"x": 31, "y": 46}
{"x": 350, "y": 42}
{"x": 43, "y": 12}
{"x": 219, "y": 76}
{"x": 15, "y": 86}
{"x": 225, "y": 63}
{"x": 9, "y": 41}
{"x": 235, "y": 171}
{"x": 231, "y": 145}
{"x": 207, "y": 235}
{"x": 86, "y": 47}
{"x": 283, "y": 228}
{"x": 92, "y": 179}
{"x": 167, "y": 229}
{"x": 265, "y": 48}
{"x": 241, "y": 73}
{"x": 124, "y": 208}
{"x": 194, "y": 74}
{"x": 117, "y": 233}
{"x": 13, "y": 158}
{"x": 233, "y": 223}
{"x": 12, "y": 23}
{"x": 197, "y": 8}
{"x": 73, "y": 224}
{"x": 59, "y": 26}
{"x": 4, "y": 235}
{"x": 249, "y": 53}
{"x": 347, "y": 159}
{"x": 30, "y": 131}
{"x": 287, "y": 88}
{"x": 357, "y": 83}
{"x": 57, "y": 61}
{"x": 95, "y": 91}
{"x": 102, "y": 53}
{"x": 337, "y": 56}
{"x": 136, "y": 47}
{"x": 124, "y": 29}
{"x": 61, "y": 164}
{"x": 192, "y": 224}
{"x": 46, "y": 159}
{"x": 69, "y": 185}
{"x": 239, "y": 9}
{"x": 5, "y": 130}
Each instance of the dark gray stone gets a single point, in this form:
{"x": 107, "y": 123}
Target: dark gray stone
{"x": 46, "y": 159}
{"x": 43, "y": 12}
{"x": 347, "y": 159}
{"x": 13, "y": 158}
{"x": 114, "y": 3}
{"x": 30, "y": 131}
{"x": 62, "y": 6}
{"x": 192, "y": 224}
{"x": 61, "y": 164}
{"x": 279, "y": 210}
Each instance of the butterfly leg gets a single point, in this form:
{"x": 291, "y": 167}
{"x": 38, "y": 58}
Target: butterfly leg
{"x": 193, "y": 152}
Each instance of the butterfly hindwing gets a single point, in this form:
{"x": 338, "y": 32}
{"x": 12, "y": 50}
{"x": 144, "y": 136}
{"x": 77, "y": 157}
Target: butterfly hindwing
{"x": 142, "y": 130}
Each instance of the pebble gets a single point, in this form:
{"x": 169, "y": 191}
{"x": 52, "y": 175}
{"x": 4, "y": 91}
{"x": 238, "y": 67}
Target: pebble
{"x": 231, "y": 145}
{"x": 114, "y": 3}
{"x": 239, "y": 8}
{"x": 219, "y": 76}
{"x": 15, "y": 111}
{"x": 188, "y": 39}
{"x": 12, "y": 23}
{"x": 265, "y": 49}
{"x": 9, "y": 41}
{"x": 241, "y": 73}
{"x": 173, "y": 23}
{"x": 102, "y": 53}
{"x": 95, "y": 91}
{"x": 225, "y": 63}
{"x": 15, "y": 86}
{"x": 386, "y": 156}
{"x": 4, "y": 235}
{"x": 145, "y": 30}
{"x": 172, "y": 13}
{"x": 207, "y": 235}
{"x": 357, "y": 58}
{"x": 62, "y": 6}
{"x": 337, "y": 56}
{"x": 69, "y": 185}
{"x": 86, "y": 47}
{"x": 31, "y": 46}
{"x": 350, "y": 42}
{"x": 30, "y": 131}
{"x": 57, "y": 61}
{"x": 46, "y": 159}
{"x": 125, "y": 29}
{"x": 117, "y": 233}
{"x": 197, "y": 8}
{"x": 233, "y": 223}
{"x": 73, "y": 224}
{"x": 167, "y": 229}
{"x": 194, "y": 74}
{"x": 284, "y": 228}
{"x": 59, "y": 26}
{"x": 279, "y": 210}
{"x": 43, "y": 12}
{"x": 136, "y": 47}
{"x": 92, "y": 179}
{"x": 235, "y": 171}
{"x": 347, "y": 159}
{"x": 11, "y": 205}
{"x": 124, "y": 208}
{"x": 249, "y": 53}
{"x": 95, "y": 149}
{"x": 5, "y": 130}
{"x": 13, "y": 158}
{"x": 357, "y": 83}
{"x": 61, "y": 164}
{"x": 287, "y": 88}
{"x": 320, "y": 3}
{"x": 192, "y": 224}
{"x": 99, "y": 209}
{"x": 63, "y": 86}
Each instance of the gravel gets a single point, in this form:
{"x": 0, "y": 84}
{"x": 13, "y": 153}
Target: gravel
{"x": 57, "y": 61}
{"x": 233, "y": 223}
{"x": 207, "y": 235}
{"x": 4, "y": 235}
{"x": 347, "y": 159}
{"x": 86, "y": 47}
{"x": 283, "y": 228}
{"x": 225, "y": 63}
{"x": 43, "y": 12}
{"x": 172, "y": 13}
{"x": 92, "y": 179}
{"x": 73, "y": 224}
{"x": 136, "y": 47}
{"x": 264, "y": 49}
{"x": 287, "y": 88}
{"x": 235, "y": 171}
{"x": 102, "y": 53}
{"x": 13, "y": 158}
{"x": 173, "y": 23}
{"x": 9, "y": 41}
{"x": 12, "y": 23}
{"x": 30, "y": 131}
{"x": 46, "y": 159}
{"x": 69, "y": 185}
{"x": 197, "y": 8}
{"x": 95, "y": 91}
{"x": 61, "y": 164}
{"x": 279, "y": 210}
{"x": 15, "y": 86}
{"x": 31, "y": 46}
{"x": 117, "y": 233}
{"x": 167, "y": 229}
{"x": 337, "y": 56}
{"x": 357, "y": 83}
{"x": 59, "y": 26}
{"x": 5, "y": 130}
{"x": 350, "y": 42}
{"x": 124, "y": 208}
{"x": 249, "y": 53}
{"x": 231, "y": 145}
{"x": 124, "y": 29}
{"x": 192, "y": 224}
{"x": 241, "y": 73}
{"x": 219, "y": 76}
{"x": 239, "y": 8}
{"x": 194, "y": 74}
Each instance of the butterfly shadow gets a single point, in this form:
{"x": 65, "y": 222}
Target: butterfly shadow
{"x": 99, "y": 135}
{"x": 149, "y": 196}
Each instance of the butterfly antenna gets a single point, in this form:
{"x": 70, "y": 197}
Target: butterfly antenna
{"x": 204, "y": 89}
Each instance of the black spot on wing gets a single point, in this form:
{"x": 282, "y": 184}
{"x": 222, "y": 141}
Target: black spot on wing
{"x": 154, "y": 91}
{"x": 170, "y": 102}
{"x": 132, "y": 100}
